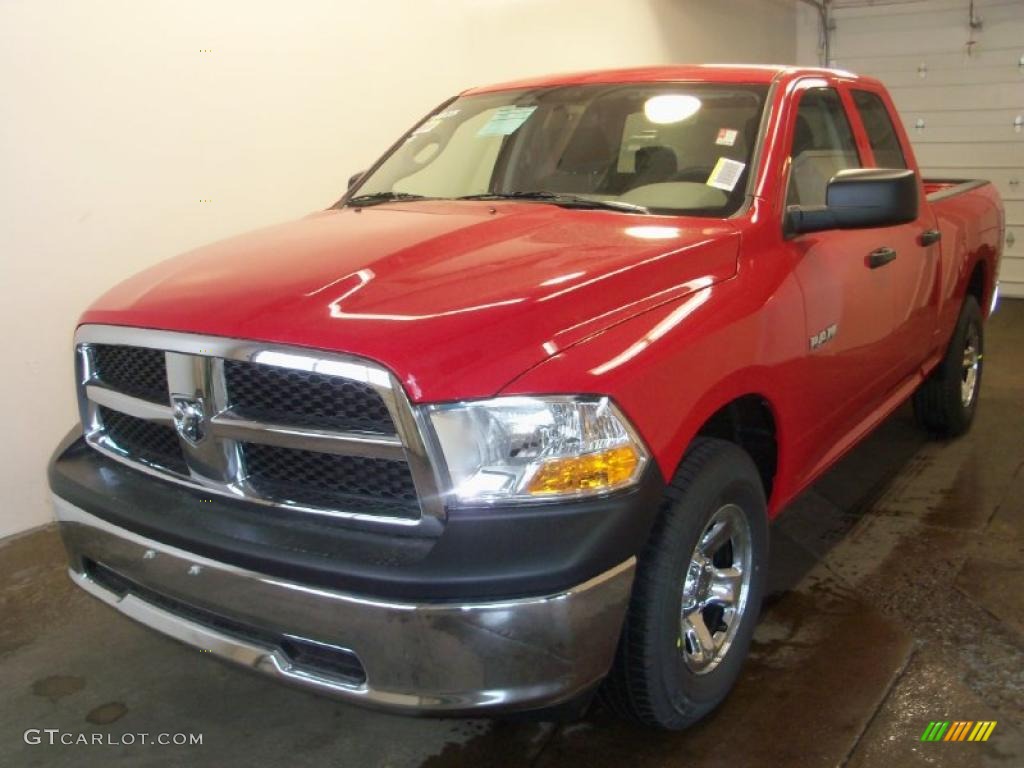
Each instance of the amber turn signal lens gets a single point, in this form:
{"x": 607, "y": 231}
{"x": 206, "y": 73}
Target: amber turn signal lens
{"x": 607, "y": 469}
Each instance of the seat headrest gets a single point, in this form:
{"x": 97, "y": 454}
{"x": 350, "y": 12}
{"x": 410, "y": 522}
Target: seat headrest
{"x": 656, "y": 162}
{"x": 803, "y": 136}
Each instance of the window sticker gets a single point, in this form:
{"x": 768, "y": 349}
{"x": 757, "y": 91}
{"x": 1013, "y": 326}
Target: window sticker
{"x": 726, "y": 137}
{"x": 726, "y": 174}
{"x": 506, "y": 120}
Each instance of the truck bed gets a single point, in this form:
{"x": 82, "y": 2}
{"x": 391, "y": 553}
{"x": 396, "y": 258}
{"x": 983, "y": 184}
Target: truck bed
{"x": 969, "y": 216}
{"x": 938, "y": 189}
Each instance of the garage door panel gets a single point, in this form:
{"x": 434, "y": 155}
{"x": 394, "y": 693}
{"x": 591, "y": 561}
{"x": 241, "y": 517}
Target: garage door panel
{"x": 970, "y": 117}
{"x": 960, "y": 73}
{"x": 937, "y": 133}
{"x": 935, "y": 41}
{"x": 978, "y": 96}
{"x": 1014, "y": 212}
{"x": 1011, "y": 270}
{"x": 946, "y": 28}
{"x": 930, "y": 28}
{"x": 1011, "y": 277}
{"x": 865, "y": 8}
{"x": 898, "y": 62}
{"x": 1014, "y": 245}
{"x": 904, "y": 9}
{"x": 996, "y": 154}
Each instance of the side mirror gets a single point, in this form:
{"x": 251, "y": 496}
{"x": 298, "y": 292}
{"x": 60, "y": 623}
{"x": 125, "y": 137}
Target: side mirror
{"x": 354, "y": 178}
{"x": 858, "y": 198}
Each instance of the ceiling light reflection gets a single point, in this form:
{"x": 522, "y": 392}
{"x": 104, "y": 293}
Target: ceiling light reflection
{"x": 363, "y": 277}
{"x": 652, "y": 232}
{"x": 671, "y": 108}
{"x": 670, "y": 321}
{"x": 563, "y": 278}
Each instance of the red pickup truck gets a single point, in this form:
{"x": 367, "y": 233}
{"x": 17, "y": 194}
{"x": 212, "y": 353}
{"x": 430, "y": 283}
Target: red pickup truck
{"x": 505, "y": 425}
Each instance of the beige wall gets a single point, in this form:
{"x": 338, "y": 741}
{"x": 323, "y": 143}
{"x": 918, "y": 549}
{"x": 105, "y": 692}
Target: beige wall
{"x": 117, "y": 124}
{"x": 809, "y": 51}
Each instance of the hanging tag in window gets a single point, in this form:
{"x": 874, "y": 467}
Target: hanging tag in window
{"x": 726, "y": 137}
{"x": 726, "y": 174}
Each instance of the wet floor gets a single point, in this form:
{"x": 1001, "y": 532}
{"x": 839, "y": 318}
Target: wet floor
{"x": 897, "y": 598}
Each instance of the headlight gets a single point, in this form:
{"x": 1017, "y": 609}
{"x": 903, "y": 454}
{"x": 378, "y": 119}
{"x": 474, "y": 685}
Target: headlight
{"x": 536, "y": 448}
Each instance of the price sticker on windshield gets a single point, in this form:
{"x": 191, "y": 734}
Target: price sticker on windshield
{"x": 505, "y": 121}
{"x": 726, "y": 174}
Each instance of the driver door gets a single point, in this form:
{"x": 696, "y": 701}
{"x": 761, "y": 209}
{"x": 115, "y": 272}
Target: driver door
{"x": 848, "y": 320}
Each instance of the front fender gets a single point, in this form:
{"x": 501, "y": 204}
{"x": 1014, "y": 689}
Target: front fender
{"x": 673, "y": 367}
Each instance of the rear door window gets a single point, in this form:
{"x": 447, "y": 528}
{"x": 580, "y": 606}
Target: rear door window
{"x": 885, "y": 144}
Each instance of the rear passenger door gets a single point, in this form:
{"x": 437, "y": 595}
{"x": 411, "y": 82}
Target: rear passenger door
{"x": 914, "y": 270}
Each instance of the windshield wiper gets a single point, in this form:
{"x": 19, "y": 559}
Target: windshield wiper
{"x": 559, "y": 198}
{"x": 374, "y": 198}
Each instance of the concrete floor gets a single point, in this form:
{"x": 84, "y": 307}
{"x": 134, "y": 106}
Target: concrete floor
{"x": 896, "y": 599}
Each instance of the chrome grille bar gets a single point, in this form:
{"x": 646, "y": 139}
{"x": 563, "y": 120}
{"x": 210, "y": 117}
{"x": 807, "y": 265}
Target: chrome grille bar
{"x": 228, "y": 426}
{"x": 133, "y": 406}
{"x": 195, "y": 374}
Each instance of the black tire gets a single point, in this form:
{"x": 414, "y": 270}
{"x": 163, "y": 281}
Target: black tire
{"x": 939, "y": 404}
{"x": 651, "y": 680}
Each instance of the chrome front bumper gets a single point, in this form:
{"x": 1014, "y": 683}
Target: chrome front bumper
{"x": 441, "y": 657}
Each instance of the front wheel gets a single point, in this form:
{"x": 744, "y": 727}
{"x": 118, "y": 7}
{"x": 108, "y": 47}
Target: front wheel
{"x": 697, "y": 592}
{"x": 945, "y": 403}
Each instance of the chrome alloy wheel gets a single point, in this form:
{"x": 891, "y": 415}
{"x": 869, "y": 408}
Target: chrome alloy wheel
{"x": 715, "y": 590}
{"x": 971, "y": 364}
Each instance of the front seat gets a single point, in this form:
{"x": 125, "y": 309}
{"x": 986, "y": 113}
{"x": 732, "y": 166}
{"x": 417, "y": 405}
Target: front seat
{"x": 655, "y": 165}
{"x": 587, "y": 159}
{"x": 812, "y": 168}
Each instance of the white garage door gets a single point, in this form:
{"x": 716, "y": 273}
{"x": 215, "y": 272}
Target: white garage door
{"x": 959, "y": 89}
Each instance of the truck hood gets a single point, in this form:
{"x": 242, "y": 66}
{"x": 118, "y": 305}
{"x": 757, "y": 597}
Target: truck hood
{"x": 456, "y": 298}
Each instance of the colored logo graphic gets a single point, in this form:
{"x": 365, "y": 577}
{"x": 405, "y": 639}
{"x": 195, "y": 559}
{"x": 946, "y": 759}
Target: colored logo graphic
{"x": 959, "y": 730}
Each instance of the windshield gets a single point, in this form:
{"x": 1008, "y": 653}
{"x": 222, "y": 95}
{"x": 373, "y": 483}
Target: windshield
{"x": 678, "y": 148}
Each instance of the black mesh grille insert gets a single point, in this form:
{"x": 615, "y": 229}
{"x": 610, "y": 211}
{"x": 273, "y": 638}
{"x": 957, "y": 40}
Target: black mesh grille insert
{"x": 329, "y": 480}
{"x": 286, "y": 396}
{"x": 145, "y": 440}
{"x": 307, "y": 654}
{"x": 134, "y": 371}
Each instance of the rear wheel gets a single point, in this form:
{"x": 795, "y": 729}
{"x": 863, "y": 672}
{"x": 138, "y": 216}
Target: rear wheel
{"x": 945, "y": 403}
{"x": 697, "y": 592}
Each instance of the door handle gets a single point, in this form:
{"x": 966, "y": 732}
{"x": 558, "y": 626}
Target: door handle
{"x": 930, "y": 237}
{"x": 880, "y": 257}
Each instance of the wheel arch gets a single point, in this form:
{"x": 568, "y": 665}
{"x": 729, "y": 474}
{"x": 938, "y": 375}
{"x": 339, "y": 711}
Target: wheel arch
{"x": 751, "y": 419}
{"x": 749, "y": 422}
{"x": 978, "y": 283}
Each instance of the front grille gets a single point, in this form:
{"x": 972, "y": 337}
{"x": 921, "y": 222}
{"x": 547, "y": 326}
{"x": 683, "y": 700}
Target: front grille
{"x": 144, "y": 440}
{"x": 313, "y": 656}
{"x": 135, "y": 371}
{"x": 245, "y": 411}
{"x": 303, "y": 398}
{"x": 330, "y": 480}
